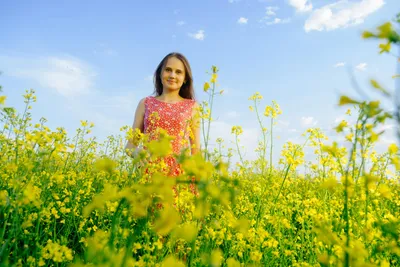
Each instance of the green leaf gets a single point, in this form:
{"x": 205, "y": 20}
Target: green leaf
{"x": 377, "y": 86}
{"x": 345, "y": 100}
{"x": 367, "y": 34}
{"x": 385, "y": 30}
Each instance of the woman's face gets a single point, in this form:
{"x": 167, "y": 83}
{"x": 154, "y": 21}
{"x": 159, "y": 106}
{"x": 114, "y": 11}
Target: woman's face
{"x": 173, "y": 74}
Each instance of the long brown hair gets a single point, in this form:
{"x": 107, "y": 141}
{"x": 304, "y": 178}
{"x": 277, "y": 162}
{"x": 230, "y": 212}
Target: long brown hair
{"x": 186, "y": 90}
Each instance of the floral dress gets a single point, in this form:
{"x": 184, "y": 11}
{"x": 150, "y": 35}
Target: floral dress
{"x": 175, "y": 119}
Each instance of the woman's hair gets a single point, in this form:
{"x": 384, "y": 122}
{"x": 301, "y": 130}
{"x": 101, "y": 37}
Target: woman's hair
{"x": 186, "y": 90}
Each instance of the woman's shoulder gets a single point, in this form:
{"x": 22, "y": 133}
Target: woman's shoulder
{"x": 194, "y": 103}
{"x": 189, "y": 100}
{"x": 189, "y": 103}
{"x": 146, "y": 99}
{"x": 143, "y": 103}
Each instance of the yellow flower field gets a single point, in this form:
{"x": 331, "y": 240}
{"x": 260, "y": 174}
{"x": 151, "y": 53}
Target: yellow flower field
{"x": 71, "y": 201}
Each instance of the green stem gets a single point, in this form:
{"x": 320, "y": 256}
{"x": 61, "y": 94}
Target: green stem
{"x": 238, "y": 149}
{"x": 346, "y": 197}
{"x": 204, "y": 136}
{"x": 264, "y": 149}
{"x": 284, "y": 179}
{"x": 270, "y": 152}
{"x": 322, "y": 158}
{"x": 114, "y": 223}
{"x": 128, "y": 248}
{"x": 210, "y": 118}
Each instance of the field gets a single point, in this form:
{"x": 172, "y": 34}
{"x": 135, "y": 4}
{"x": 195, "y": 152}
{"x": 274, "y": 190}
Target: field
{"x": 71, "y": 201}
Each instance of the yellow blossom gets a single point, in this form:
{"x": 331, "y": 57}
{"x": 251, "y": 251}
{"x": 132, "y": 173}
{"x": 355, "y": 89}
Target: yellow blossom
{"x": 237, "y": 130}
{"x": 2, "y": 99}
{"x": 213, "y": 78}
{"x": 206, "y": 86}
{"x": 172, "y": 261}
{"x": 341, "y": 126}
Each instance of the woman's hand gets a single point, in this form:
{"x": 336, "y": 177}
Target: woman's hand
{"x": 139, "y": 156}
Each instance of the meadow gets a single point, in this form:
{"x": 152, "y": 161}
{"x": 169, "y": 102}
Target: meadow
{"x": 71, "y": 201}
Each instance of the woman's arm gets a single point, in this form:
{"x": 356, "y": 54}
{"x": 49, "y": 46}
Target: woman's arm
{"x": 138, "y": 123}
{"x": 195, "y": 129}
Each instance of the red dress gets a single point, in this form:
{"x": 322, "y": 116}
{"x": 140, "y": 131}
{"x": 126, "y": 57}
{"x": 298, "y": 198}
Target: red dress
{"x": 175, "y": 119}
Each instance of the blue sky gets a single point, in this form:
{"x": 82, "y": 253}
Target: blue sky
{"x": 93, "y": 60}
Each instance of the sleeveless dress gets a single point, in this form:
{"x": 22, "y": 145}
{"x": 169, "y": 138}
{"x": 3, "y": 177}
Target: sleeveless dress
{"x": 175, "y": 119}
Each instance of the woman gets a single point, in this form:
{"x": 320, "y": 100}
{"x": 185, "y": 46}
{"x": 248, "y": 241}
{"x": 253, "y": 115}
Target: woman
{"x": 173, "y": 109}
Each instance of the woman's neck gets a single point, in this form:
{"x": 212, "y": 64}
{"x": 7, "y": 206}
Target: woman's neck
{"x": 170, "y": 96}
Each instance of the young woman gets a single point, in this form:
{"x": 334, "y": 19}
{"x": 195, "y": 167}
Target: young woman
{"x": 173, "y": 109}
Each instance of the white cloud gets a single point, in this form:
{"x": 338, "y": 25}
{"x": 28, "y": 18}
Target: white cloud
{"x": 67, "y": 75}
{"x": 269, "y": 13}
{"x": 341, "y": 14}
{"x": 109, "y": 109}
{"x": 198, "y": 36}
{"x": 339, "y": 64}
{"x": 180, "y": 23}
{"x": 387, "y": 140}
{"x": 281, "y": 127}
{"x": 125, "y": 101}
{"x": 308, "y": 121}
{"x": 283, "y": 123}
{"x": 386, "y": 127}
{"x": 242, "y": 20}
{"x": 301, "y": 5}
{"x": 361, "y": 66}
{"x": 232, "y": 114}
{"x": 270, "y": 10}
{"x": 105, "y": 124}
{"x": 278, "y": 21}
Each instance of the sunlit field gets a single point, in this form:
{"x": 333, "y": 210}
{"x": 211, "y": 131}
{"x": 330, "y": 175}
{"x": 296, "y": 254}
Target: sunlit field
{"x": 67, "y": 200}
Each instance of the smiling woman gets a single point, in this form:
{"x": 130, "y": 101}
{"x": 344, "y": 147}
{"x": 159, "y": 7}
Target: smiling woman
{"x": 173, "y": 109}
{"x": 174, "y": 68}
